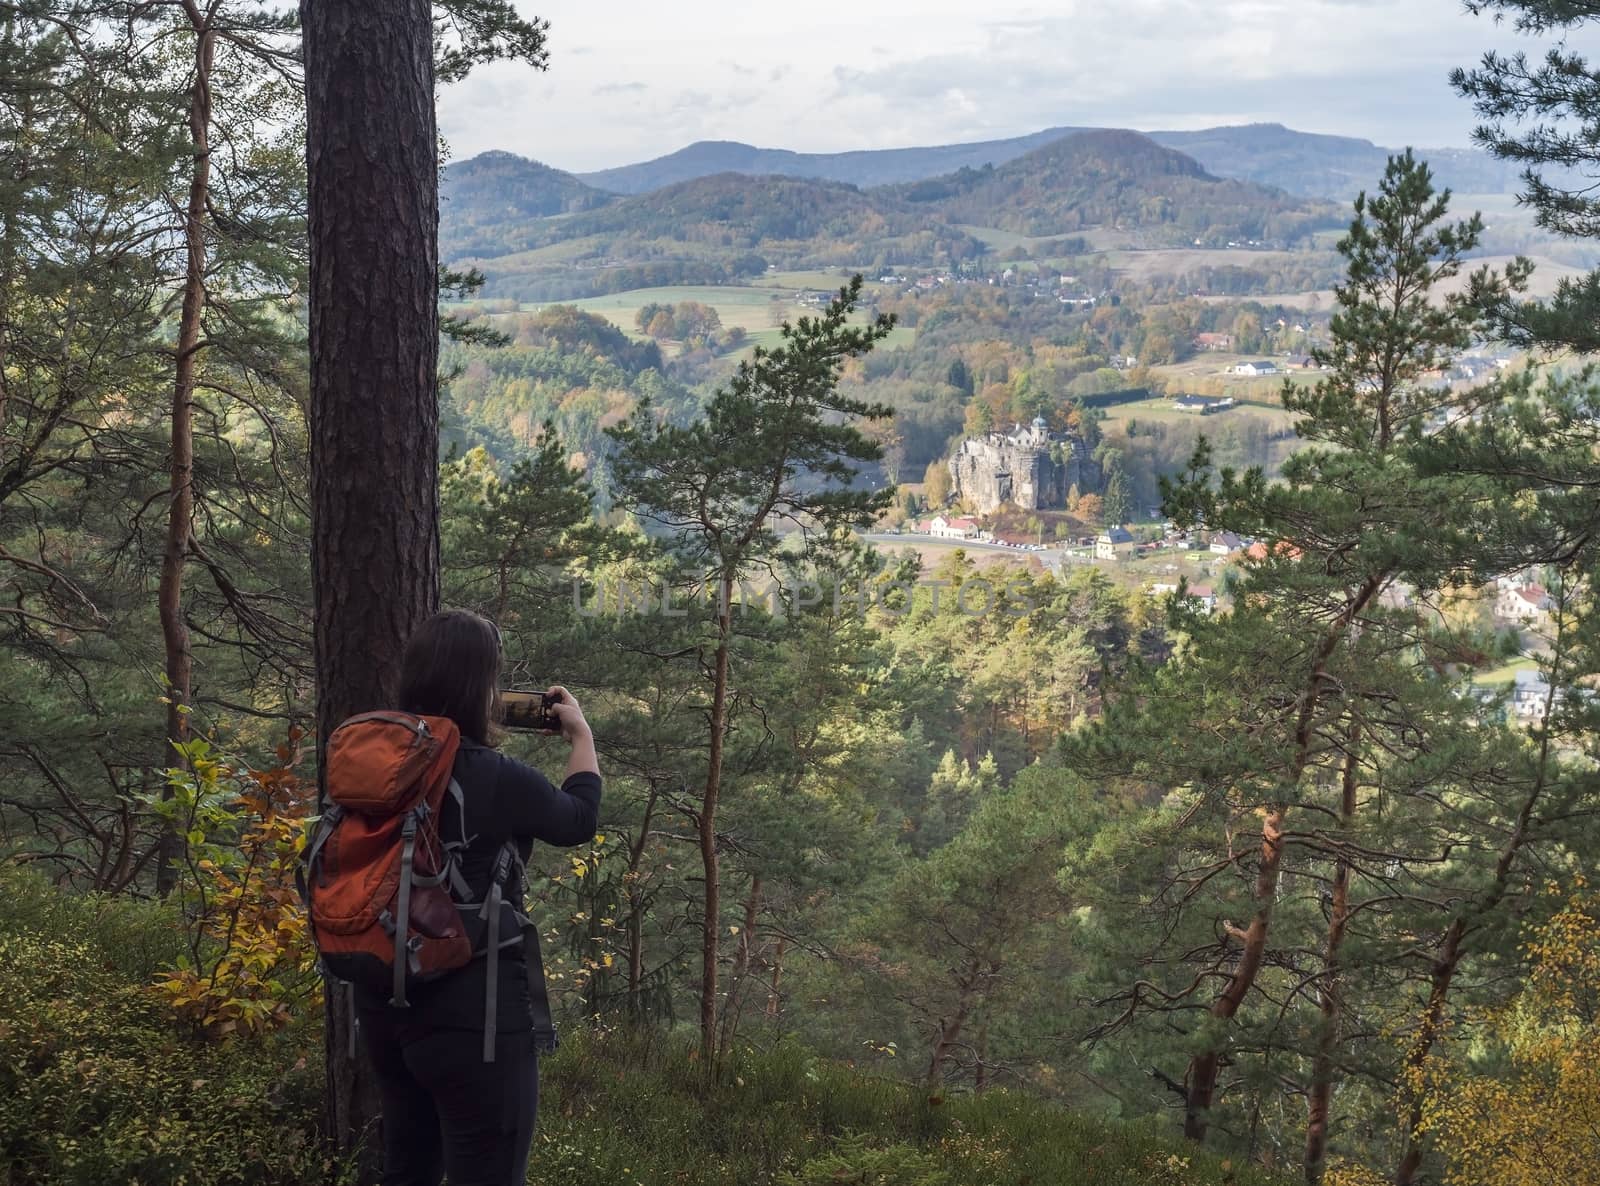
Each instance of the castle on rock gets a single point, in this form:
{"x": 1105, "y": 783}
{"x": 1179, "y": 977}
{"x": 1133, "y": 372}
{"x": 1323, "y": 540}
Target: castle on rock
{"x": 1031, "y": 467}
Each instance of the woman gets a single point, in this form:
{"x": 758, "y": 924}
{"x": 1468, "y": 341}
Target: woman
{"x": 446, "y": 1110}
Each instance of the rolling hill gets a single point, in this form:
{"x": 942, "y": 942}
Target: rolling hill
{"x": 479, "y": 198}
{"x": 1121, "y": 180}
{"x": 712, "y": 230}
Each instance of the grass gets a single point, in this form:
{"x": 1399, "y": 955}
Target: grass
{"x": 816, "y": 279}
{"x": 1160, "y": 410}
{"x": 631, "y": 1108}
{"x": 750, "y": 307}
{"x": 1505, "y": 673}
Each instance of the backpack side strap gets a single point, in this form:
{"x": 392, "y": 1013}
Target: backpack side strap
{"x": 403, "y": 923}
{"x": 307, "y": 865}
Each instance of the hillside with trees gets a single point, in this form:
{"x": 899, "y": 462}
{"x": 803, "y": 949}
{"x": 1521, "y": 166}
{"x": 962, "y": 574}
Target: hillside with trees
{"x": 730, "y": 227}
{"x": 1119, "y": 180}
{"x": 479, "y": 196}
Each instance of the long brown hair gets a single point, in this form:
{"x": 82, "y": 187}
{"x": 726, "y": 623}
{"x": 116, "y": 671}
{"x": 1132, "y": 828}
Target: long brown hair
{"x": 452, "y": 669}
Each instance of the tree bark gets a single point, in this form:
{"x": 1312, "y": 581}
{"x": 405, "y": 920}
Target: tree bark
{"x": 371, "y": 155}
{"x": 1330, "y": 1000}
{"x": 180, "y": 505}
{"x": 1204, "y": 1067}
{"x": 710, "y": 923}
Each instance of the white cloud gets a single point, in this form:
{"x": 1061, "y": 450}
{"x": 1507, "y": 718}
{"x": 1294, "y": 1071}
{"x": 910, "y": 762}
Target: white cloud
{"x": 631, "y": 80}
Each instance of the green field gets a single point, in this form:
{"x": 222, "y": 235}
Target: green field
{"x": 1160, "y": 410}
{"x": 759, "y": 310}
{"x": 1504, "y": 674}
{"x": 816, "y": 279}
{"x": 753, "y": 308}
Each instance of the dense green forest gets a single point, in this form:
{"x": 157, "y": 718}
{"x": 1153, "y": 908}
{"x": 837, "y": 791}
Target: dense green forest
{"x": 916, "y": 874}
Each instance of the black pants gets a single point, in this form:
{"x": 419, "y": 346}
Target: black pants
{"x": 446, "y": 1112}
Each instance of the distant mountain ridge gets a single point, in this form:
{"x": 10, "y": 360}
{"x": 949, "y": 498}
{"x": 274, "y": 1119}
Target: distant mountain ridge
{"x": 730, "y": 226}
{"x": 1306, "y": 164}
{"x": 866, "y": 167}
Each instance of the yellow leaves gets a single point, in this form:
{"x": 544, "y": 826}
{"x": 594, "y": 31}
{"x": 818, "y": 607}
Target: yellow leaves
{"x": 249, "y": 927}
{"x": 1535, "y": 1118}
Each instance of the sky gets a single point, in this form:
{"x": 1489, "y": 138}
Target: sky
{"x": 630, "y": 80}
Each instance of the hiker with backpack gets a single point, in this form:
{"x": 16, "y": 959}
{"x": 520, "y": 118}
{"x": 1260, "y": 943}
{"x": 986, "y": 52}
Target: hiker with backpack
{"x": 415, "y": 885}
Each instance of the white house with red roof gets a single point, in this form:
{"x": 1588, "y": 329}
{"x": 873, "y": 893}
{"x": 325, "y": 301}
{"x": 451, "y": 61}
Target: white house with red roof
{"x": 959, "y": 528}
{"x": 1523, "y": 603}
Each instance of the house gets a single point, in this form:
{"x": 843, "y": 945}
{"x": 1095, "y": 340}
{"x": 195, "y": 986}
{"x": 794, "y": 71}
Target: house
{"x": 1225, "y": 543}
{"x": 1201, "y": 405}
{"x": 1523, "y": 603}
{"x": 1202, "y": 597}
{"x": 1264, "y": 366}
{"x": 1218, "y": 342}
{"x": 962, "y": 528}
{"x": 1115, "y": 543}
{"x": 1530, "y": 693}
{"x": 1304, "y": 362}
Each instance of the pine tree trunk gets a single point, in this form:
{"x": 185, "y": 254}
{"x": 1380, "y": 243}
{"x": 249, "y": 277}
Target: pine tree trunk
{"x": 774, "y": 997}
{"x": 1330, "y": 1000}
{"x": 180, "y": 506}
{"x": 741, "y": 962}
{"x": 708, "y": 829}
{"x": 1205, "y": 1066}
{"x": 949, "y": 1031}
{"x": 371, "y": 153}
{"x": 636, "y": 908}
{"x": 980, "y": 1078}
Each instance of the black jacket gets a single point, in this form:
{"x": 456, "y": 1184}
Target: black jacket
{"x": 503, "y": 800}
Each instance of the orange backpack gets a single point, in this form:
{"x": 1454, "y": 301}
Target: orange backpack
{"x": 377, "y": 871}
{"x": 388, "y": 905}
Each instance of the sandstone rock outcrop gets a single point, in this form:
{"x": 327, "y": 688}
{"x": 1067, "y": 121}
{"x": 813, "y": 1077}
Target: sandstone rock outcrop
{"x": 1031, "y": 467}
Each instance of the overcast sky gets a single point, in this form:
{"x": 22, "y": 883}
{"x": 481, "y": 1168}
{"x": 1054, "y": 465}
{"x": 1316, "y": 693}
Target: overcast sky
{"x": 635, "y": 79}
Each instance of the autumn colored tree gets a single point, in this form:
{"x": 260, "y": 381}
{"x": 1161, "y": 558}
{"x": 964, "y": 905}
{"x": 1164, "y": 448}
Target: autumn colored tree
{"x": 1524, "y": 1108}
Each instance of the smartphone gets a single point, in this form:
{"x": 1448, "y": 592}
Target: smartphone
{"x": 525, "y": 708}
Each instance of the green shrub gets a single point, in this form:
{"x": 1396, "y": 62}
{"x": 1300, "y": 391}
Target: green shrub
{"x": 138, "y": 938}
{"x": 856, "y": 1163}
{"x": 97, "y": 1086}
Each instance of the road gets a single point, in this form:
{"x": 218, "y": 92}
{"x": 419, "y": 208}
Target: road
{"x": 972, "y": 545}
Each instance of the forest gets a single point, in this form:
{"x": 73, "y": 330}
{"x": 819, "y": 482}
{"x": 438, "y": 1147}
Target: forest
{"x": 909, "y": 874}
